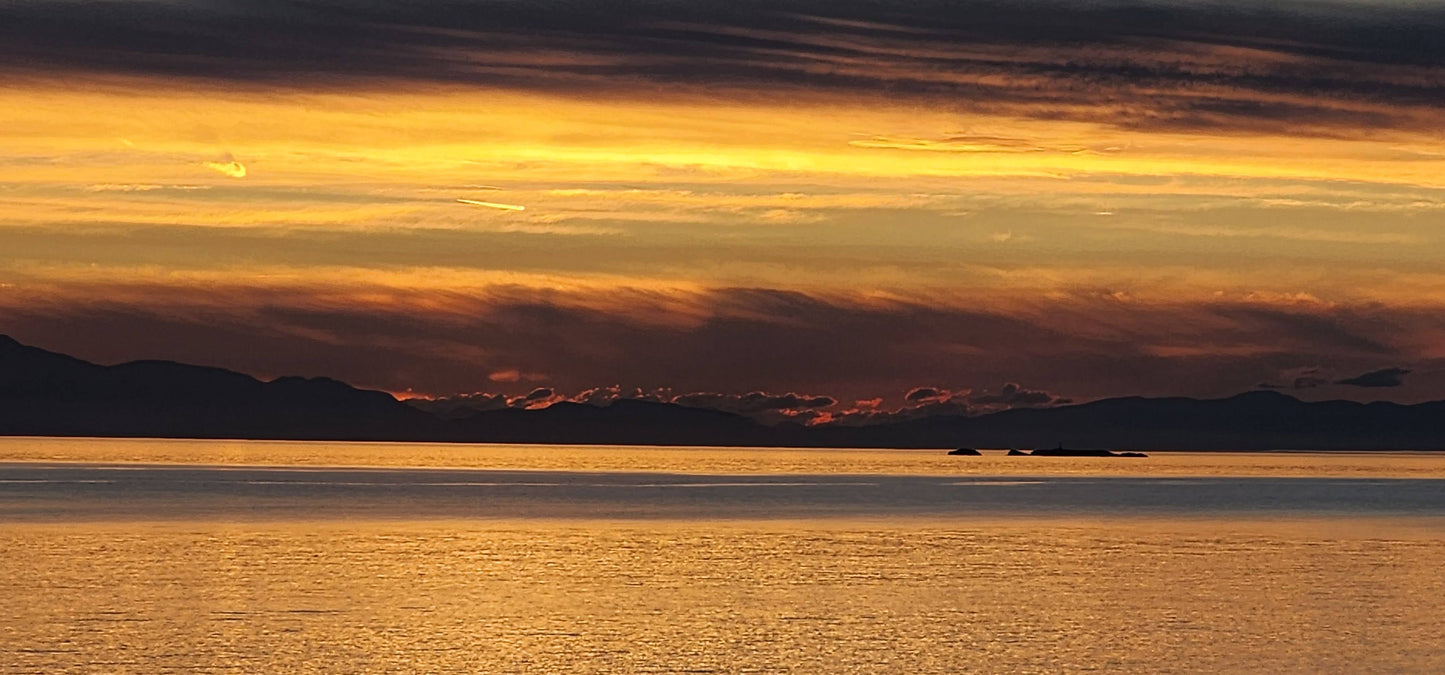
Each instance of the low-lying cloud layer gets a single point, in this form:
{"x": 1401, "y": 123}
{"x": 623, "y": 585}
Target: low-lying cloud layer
{"x": 737, "y": 343}
{"x": 765, "y": 407}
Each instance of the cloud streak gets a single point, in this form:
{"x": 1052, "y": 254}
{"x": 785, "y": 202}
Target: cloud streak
{"x": 492, "y": 205}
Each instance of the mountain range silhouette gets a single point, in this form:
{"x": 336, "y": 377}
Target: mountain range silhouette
{"x": 43, "y": 393}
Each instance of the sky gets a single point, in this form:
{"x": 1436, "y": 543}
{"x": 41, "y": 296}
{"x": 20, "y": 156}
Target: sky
{"x": 880, "y": 204}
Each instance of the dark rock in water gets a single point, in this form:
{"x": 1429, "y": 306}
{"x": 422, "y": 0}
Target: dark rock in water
{"x": 1015, "y": 452}
{"x": 1131, "y": 454}
{"x": 965, "y": 451}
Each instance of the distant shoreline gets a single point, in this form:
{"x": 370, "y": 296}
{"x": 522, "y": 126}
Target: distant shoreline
{"x": 986, "y": 451}
{"x": 45, "y": 394}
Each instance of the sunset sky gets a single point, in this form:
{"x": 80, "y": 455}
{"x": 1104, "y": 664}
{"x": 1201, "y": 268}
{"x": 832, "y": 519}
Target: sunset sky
{"x": 832, "y": 198}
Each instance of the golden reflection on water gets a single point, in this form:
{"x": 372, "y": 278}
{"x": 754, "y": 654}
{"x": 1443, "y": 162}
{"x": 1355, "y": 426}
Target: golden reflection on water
{"x": 298, "y": 593}
{"x": 718, "y": 460}
{"x": 857, "y": 597}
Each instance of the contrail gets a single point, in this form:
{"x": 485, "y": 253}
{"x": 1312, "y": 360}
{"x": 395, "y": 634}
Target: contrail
{"x": 493, "y": 205}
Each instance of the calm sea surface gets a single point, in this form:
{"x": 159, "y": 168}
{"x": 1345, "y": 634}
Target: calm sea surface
{"x": 143, "y": 556}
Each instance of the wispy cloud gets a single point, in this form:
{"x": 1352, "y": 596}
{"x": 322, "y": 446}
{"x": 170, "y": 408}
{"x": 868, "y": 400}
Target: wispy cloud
{"x": 140, "y": 187}
{"x": 492, "y": 205}
{"x": 976, "y": 143}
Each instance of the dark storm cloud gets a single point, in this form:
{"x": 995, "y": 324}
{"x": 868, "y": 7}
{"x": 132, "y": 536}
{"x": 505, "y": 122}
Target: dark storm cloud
{"x": 724, "y": 340}
{"x": 1385, "y": 377}
{"x": 1228, "y": 65}
{"x": 1347, "y": 330}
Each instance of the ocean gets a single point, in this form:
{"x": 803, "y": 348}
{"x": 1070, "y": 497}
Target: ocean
{"x": 155, "y": 556}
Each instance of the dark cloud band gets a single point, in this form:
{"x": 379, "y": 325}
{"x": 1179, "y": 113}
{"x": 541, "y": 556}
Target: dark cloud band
{"x": 1294, "y": 67}
{"x": 729, "y": 341}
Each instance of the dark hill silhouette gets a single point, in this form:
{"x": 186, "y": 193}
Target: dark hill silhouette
{"x": 47, "y": 394}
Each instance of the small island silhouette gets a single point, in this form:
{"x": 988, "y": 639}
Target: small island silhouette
{"x": 1062, "y": 451}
